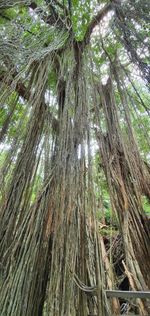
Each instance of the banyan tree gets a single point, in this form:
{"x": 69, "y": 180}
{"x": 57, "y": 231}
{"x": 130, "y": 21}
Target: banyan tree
{"x": 74, "y": 94}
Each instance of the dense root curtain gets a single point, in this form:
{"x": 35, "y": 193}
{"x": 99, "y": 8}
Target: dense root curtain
{"x": 56, "y": 239}
{"x": 128, "y": 179}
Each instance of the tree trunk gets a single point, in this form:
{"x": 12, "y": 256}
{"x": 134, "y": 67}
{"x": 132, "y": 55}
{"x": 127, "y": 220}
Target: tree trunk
{"x": 109, "y": 276}
{"x": 125, "y": 176}
{"x": 54, "y": 240}
{"x": 21, "y": 178}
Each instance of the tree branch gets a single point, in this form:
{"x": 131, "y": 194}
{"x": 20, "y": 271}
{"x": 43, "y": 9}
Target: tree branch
{"x": 96, "y": 20}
